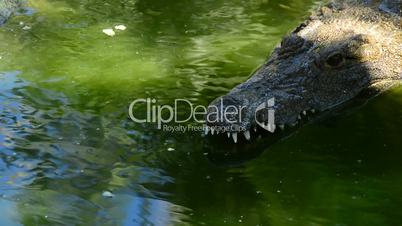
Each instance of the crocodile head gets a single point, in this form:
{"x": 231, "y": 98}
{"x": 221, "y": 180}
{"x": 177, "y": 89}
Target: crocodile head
{"x": 327, "y": 61}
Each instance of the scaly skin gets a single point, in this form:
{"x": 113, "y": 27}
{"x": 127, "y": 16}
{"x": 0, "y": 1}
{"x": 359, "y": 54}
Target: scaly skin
{"x": 7, "y": 8}
{"x": 345, "y": 48}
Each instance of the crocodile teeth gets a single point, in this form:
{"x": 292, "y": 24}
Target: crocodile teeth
{"x": 234, "y": 136}
{"x": 206, "y": 130}
{"x": 304, "y": 112}
{"x": 228, "y": 134}
{"x": 247, "y": 135}
{"x": 299, "y": 117}
{"x": 313, "y": 110}
{"x": 212, "y": 131}
{"x": 255, "y": 129}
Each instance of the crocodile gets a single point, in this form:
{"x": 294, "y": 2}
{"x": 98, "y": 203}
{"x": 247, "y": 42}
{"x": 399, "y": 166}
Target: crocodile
{"x": 345, "y": 48}
{"x": 7, "y": 8}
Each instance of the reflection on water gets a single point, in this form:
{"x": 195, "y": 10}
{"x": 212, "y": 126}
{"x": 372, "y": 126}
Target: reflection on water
{"x": 65, "y": 137}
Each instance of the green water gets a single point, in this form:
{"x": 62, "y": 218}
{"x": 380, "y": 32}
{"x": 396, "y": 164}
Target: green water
{"x": 65, "y": 135}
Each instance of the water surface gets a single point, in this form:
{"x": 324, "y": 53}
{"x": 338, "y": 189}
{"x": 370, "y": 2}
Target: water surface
{"x": 65, "y": 135}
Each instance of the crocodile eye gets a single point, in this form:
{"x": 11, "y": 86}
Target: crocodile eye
{"x": 335, "y": 60}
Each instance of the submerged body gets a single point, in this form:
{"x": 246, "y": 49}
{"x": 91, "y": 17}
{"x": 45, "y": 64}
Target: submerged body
{"x": 7, "y": 8}
{"x": 345, "y": 48}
